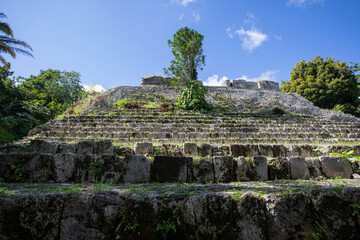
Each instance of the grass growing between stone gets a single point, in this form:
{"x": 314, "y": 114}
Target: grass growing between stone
{"x": 235, "y": 189}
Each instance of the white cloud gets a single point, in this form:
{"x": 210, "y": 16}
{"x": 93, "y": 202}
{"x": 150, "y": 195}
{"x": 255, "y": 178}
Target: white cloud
{"x": 214, "y": 80}
{"x": 251, "y": 39}
{"x": 250, "y": 18}
{"x": 268, "y": 75}
{"x": 278, "y": 37}
{"x": 181, "y": 17}
{"x": 95, "y": 88}
{"x": 183, "y": 2}
{"x": 301, "y": 3}
{"x": 196, "y": 16}
{"x": 229, "y": 33}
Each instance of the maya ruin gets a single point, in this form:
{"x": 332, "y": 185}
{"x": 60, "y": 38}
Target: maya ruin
{"x": 271, "y": 165}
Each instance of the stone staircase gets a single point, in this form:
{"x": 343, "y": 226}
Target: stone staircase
{"x": 241, "y": 128}
{"x": 156, "y": 175}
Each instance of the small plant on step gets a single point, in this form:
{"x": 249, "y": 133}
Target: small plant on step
{"x": 165, "y": 227}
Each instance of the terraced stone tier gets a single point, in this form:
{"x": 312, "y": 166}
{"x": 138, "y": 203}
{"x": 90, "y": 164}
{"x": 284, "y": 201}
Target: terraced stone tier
{"x": 191, "y": 127}
{"x": 71, "y": 167}
{"x": 253, "y": 210}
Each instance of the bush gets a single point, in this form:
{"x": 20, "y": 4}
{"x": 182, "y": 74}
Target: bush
{"x": 193, "y": 97}
{"x": 121, "y": 104}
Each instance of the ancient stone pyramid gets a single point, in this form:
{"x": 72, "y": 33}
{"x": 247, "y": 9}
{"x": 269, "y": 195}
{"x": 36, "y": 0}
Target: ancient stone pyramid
{"x": 263, "y": 167}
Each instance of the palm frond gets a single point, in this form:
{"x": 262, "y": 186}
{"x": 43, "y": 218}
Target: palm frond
{"x": 4, "y": 48}
{"x": 2, "y": 15}
{"x": 9, "y": 40}
{"x": 19, "y": 50}
{"x": 3, "y": 60}
{"x": 5, "y": 28}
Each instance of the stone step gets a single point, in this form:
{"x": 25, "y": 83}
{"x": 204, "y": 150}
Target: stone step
{"x": 272, "y": 210}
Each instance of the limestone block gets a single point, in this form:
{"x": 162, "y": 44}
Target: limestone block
{"x": 103, "y": 147}
{"x": 268, "y": 85}
{"x": 155, "y": 80}
{"x": 203, "y": 171}
{"x": 64, "y": 166}
{"x": 314, "y": 167}
{"x": 66, "y": 148}
{"x": 293, "y": 150}
{"x": 85, "y": 147}
{"x": 142, "y": 148}
{"x": 190, "y": 149}
{"x": 336, "y": 167}
{"x": 224, "y": 169}
{"x": 265, "y": 150}
{"x": 298, "y": 168}
{"x": 42, "y": 146}
{"x": 83, "y": 169}
{"x": 242, "y": 169}
{"x": 279, "y": 150}
{"x": 226, "y": 83}
{"x": 169, "y": 169}
{"x": 251, "y": 150}
{"x": 261, "y": 167}
{"x": 136, "y": 169}
{"x": 237, "y": 150}
{"x": 240, "y": 83}
{"x": 204, "y": 150}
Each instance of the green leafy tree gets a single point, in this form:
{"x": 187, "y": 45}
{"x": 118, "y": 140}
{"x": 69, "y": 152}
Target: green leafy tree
{"x": 187, "y": 50}
{"x": 189, "y": 58}
{"x": 327, "y": 83}
{"x": 15, "y": 120}
{"x": 51, "y": 93}
{"x": 10, "y": 45}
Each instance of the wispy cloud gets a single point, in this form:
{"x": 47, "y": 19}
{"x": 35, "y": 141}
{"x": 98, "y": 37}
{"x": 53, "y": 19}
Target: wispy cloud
{"x": 268, "y": 75}
{"x": 183, "y": 2}
{"x": 214, "y": 80}
{"x": 250, "y": 18}
{"x": 196, "y": 16}
{"x": 95, "y": 88}
{"x": 251, "y": 39}
{"x": 301, "y": 3}
{"x": 278, "y": 37}
{"x": 181, "y": 17}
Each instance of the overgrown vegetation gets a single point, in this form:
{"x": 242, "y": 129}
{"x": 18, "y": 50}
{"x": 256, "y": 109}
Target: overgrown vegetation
{"x": 327, "y": 83}
{"x": 26, "y": 103}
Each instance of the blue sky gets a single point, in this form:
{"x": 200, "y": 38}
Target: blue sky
{"x": 116, "y": 42}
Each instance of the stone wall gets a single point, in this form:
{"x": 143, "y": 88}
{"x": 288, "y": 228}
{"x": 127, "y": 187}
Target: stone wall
{"x": 187, "y": 213}
{"x": 157, "y": 80}
{"x": 259, "y": 85}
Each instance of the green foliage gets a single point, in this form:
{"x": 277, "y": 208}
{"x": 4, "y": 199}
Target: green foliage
{"x": 51, "y": 93}
{"x": 27, "y": 103}
{"x": 193, "y": 97}
{"x": 327, "y": 83}
{"x": 165, "y": 227}
{"x": 187, "y": 50}
{"x": 121, "y": 104}
{"x": 349, "y": 154}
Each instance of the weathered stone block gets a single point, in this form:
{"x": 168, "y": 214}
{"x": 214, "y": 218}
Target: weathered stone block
{"x": 224, "y": 169}
{"x": 67, "y": 148}
{"x": 298, "y": 168}
{"x": 203, "y": 171}
{"x": 242, "y": 169}
{"x": 85, "y": 147}
{"x": 204, "y": 150}
{"x": 190, "y": 149}
{"x": 42, "y": 146}
{"x": 336, "y": 167}
{"x": 64, "y": 166}
{"x": 142, "y": 148}
{"x": 314, "y": 167}
{"x": 169, "y": 169}
{"x": 237, "y": 150}
{"x": 103, "y": 147}
{"x": 268, "y": 85}
{"x": 83, "y": 169}
{"x": 261, "y": 167}
{"x": 136, "y": 169}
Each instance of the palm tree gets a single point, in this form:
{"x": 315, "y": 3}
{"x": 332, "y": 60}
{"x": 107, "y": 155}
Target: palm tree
{"x": 8, "y": 44}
